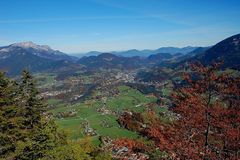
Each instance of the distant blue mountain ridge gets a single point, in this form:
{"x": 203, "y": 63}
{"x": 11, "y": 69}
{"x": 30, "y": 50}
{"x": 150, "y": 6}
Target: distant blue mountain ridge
{"x": 142, "y": 53}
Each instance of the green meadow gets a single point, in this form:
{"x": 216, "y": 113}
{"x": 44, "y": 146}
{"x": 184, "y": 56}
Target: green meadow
{"x": 104, "y": 124}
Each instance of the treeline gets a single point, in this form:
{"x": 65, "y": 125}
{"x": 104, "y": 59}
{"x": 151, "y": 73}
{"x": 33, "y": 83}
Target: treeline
{"x": 27, "y": 131}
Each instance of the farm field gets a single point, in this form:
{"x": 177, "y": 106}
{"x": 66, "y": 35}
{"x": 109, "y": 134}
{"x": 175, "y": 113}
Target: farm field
{"x": 103, "y": 123}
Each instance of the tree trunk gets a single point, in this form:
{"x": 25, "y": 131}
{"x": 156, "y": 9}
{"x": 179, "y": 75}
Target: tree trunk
{"x": 207, "y": 115}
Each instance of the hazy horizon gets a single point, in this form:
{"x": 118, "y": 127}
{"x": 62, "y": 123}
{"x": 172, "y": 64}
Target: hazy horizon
{"x": 104, "y": 51}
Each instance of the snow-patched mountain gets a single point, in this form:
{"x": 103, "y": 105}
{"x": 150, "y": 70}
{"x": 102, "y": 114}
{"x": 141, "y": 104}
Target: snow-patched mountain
{"x": 27, "y": 55}
{"x": 26, "y": 48}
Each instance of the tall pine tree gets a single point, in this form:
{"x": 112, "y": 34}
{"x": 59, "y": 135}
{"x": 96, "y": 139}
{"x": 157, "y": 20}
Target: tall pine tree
{"x": 26, "y": 132}
{"x": 9, "y": 117}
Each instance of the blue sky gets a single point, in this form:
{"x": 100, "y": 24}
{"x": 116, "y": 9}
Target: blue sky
{"x": 76, "y": 26}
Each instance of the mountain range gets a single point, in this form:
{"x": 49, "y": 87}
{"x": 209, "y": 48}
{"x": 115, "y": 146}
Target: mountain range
{"x": 27, "y": 55}
{"x": 108, "y": 61}
{"x": 142, "y": 53}
{"x": 27, "y": 48}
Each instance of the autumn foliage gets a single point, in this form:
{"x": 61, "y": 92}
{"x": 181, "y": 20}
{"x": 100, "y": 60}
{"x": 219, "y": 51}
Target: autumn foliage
{"x": 149, "y": 125}
{"x": 132, "y": 145}
{"x": 207, "y": 107}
